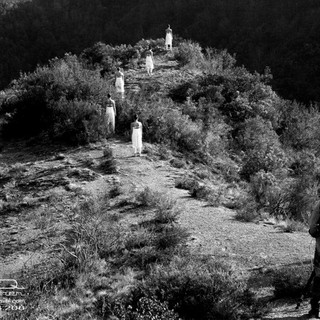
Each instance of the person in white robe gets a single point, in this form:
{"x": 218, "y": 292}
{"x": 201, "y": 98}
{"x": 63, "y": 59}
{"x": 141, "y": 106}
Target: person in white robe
{"x": 111, "y": 114}
{"x": 136, "y": 136}
{"x": 169, "y": 38}
{"x": 149, "y": 62}
{"x": 119, "y": 82}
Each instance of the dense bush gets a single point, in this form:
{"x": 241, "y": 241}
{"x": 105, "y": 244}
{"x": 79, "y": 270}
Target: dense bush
{"x": 185, "y": 182}
{"x": 61, "y": 99}
{"x": 162, "y": 123}
{"x": 157, "y": 45}
{"x": 146, "y": 309}
{"x": 299, "y": 125}
{"x": 247, "y": 210}
{"x": 290, "y": 282}
{"x": 108, "y": 57}
{"x": 198, "y": 288}
{"x": 189, "y": 52}
{"x": 262, "y": 148}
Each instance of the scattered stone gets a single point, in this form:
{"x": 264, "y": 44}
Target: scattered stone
{"x": 83, "y": 174}
{"x": 116, "y": 180}
{"x": 60, "y": 156}
{"x": 70, "y": 162}
{"x": 74, "y": 187}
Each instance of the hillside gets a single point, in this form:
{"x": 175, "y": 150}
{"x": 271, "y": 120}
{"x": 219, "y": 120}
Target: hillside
{"x": 282, "y": 35}
{"x": 43, "y": 188}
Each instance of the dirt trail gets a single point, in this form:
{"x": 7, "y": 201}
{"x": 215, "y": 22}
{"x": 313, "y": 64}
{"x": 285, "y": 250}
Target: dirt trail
{"x": 214, "y": 231}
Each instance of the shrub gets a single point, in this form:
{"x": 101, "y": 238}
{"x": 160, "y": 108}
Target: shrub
{"x": 189, "y": 53}
{"x": 61, "y": 99}
{"x": 166, "y": 210}
{"x": 107, "y": 152}
{"x": 292, "y": 198}
{"x": 93, "y": 234}
{"x": 262, "y": 148}
{"x": 146, "y": 309}
{"x": 147, "y": 197}
{"x": 290, "y": 282}
{"x": 215, "y": 61}
{"x": 299, "y": 128}
{"x": 157, "y": 45}
{"x": 248, "y": 210}
{"x": 300, "y": 198}
{"x": 215, "y": 197}
{"x": 162, "y": 123}
{"x": 149, "y": 309}
{"x": 164, "y": 152}
{"x": 203, "y": 173}
{"x": 200, "y": 191}
{"x": 108, "y": 57}
{"x": 170, "y": 237}
{"x": 115, "y": 191}
{"x": 186, "y": 182}
{"x": 197, "y": 288}
{"x": 108, "y": 165}
{"x": 177, "y": 163}
{"x": 291, "y": 225}
{"x": 77, "y": 122}
{"x": 261, "y": 185}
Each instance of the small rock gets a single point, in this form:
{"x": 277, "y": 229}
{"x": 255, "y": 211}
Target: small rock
{"x": 116, "y": 180}
{"x": 70, "y": 162}
{"x": 60, "y": 156}
{"x": 73, "y": 187}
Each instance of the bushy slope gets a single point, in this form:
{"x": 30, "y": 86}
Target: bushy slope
{"x": 200, "y": 106}
{"x": 282, "y": 35}
{"x": 209, "y": 109}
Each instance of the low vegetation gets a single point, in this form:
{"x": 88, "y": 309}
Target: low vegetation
{"x": 224, "y": 117}
{"x": 105, "y": 269}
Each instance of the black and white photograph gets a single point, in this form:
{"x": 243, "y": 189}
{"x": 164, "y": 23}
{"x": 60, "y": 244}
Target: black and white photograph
{"x": 159, "y": 159}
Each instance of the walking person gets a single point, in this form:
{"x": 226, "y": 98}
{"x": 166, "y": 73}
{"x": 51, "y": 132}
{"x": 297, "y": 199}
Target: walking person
{"x": 169, "y": 38}
{"x": 119, "y": 82}
{"x": 111, "y": 114}
{"x": 315, "y": 233}
{"x": 136, "y": 136}
{"x": 149, "y": 62}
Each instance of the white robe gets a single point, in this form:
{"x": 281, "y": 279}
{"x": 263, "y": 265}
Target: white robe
{"x": 137, "y": 138}
{"x": 169, "y": 39}
{"x": 149, "y": 63}
{"x": 119, "y": 84}
{"x": 110, "y": 117}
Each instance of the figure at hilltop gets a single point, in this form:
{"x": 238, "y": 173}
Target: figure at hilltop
{"x": 119, "y": 82}
{"x": 149, "y": 62}
{"x": 136, "y": 136}
{"x": 169, "y": 38}
{"x": 315, "y": 290}
{"x": 111, "y": 114}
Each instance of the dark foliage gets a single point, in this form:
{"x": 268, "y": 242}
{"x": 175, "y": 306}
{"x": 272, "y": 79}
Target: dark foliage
{"x": 282, "y": 35}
